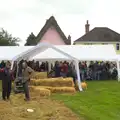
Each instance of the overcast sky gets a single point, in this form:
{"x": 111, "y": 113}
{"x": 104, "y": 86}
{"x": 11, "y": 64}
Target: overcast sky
{"x": 21, "y": 17}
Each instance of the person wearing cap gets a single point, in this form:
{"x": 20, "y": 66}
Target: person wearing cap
{"x": 6, "y": 81}
{"x": 26, "y": 73}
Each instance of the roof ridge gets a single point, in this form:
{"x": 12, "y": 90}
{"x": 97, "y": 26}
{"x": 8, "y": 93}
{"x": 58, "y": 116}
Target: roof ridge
{"x": 97, "y": 36}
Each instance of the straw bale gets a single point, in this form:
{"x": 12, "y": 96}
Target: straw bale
{"x": 59, "y": 89}
{"x": 38, "y": 75}
{"x": 83, "y": 85}
{"x": 54, "y": 82}
{"x": 41, "y": 91}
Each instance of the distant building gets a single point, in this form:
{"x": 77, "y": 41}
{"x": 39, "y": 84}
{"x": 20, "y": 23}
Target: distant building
{"x": 52, "y": 33}
{"x": 99, "y": 35}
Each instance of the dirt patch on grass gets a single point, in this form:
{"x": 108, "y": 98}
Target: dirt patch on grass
{"x": 44, "y": 109}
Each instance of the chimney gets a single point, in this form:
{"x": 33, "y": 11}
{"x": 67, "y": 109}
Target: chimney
{"x": 69, "y": 39}
{"x": 87, "y": 26}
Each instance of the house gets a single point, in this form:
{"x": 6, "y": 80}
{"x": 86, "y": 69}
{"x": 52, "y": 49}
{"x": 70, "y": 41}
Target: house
{"x": 100, "y": 35}
{"x": 52, "y": 33}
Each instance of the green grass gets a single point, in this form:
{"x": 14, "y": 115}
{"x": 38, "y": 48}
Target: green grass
{"x": 101, "y": 101}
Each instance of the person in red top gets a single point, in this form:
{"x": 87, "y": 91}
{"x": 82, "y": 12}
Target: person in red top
{"x": 6, "y": 81}
{"x": 64, "y": 69}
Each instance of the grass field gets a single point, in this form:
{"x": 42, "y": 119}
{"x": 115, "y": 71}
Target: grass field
{"x": 100, "y": 102}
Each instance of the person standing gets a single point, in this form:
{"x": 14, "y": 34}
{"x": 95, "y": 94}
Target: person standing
{"x": 26, "y": 73}
{"x": 7, "y": 78}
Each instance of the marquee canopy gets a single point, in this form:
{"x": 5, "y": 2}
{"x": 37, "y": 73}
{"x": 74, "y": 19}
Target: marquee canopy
{"x": 41, "y": 48}
{"x": 9, "y": 52}
{"x": 80, "y": 52}
{"x": 118, "y": 57}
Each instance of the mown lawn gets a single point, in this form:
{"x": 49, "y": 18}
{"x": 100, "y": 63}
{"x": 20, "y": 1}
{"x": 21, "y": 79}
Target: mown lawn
{"x": 101, "y": 101}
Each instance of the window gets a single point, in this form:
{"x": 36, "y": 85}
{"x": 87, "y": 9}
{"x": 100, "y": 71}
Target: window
{"x": 117, "y": 46}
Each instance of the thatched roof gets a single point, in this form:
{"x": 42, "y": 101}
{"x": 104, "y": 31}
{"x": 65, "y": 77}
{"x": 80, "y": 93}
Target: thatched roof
{"x": 52, "y": 22}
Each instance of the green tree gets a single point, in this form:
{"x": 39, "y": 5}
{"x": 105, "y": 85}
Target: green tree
{"x": 31, "y": 40}
{"x": 6, "y": 39}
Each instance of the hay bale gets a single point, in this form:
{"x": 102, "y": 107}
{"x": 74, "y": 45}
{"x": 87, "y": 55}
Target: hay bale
{"x": 38, "y": 75}
{"x": 46, "y": 87}
{"x": 41, "y": 91}
{"x": 83, "y": 85}
{"x": 59, "y": 89}
{"x": 53, "y": 82}
{"x": 63, "y": 90}
{"x": 31, "y": 88}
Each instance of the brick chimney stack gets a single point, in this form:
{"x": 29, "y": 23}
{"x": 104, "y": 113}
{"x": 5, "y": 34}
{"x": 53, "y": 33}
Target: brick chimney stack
{"x": 69, "y": 38}
{"x": 87, "y": 26}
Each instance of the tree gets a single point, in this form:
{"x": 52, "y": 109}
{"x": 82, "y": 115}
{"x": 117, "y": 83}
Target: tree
{"x": 6, "y": 39}
{"x": 31, "y": 40}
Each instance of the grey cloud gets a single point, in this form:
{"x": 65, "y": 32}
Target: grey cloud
{"x": 71, "y": 7}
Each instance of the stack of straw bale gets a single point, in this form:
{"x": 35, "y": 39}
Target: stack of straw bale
{"x": 59, "y": 89}
{"x": 54, "y": 85}
{"x": 39, "y": 75}
{"x": 53, "y": 82}
{"x": 39, "y": 91}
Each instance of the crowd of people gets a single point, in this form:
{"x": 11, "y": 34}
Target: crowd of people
{"x": 92, "y": 71}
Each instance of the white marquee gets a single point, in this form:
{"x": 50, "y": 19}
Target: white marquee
{"x": 46, "y": 51}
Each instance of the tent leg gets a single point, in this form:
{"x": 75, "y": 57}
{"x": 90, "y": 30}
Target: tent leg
{"x": 78, "y": 76}
{"x": 49, "y": 66}
{"x": 118, "y": 69}
{"x": 12, "y": 63}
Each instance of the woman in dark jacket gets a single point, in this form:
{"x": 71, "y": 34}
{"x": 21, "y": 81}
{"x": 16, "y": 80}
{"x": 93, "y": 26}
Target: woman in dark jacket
{"x": 6, "y": 81}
